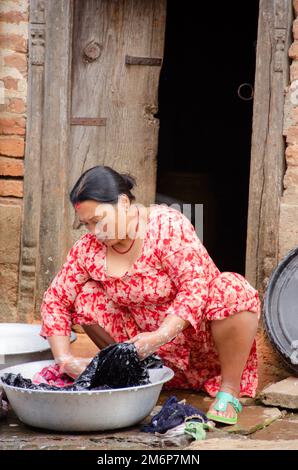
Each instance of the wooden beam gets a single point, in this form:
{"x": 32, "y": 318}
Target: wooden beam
{"x": 267, "y": 154}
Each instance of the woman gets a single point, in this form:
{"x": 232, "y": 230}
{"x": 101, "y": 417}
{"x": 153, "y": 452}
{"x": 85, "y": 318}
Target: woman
{"x": 141, "y": 275}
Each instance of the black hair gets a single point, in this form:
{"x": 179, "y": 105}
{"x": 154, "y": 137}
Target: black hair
{"x": 103, "y": 184}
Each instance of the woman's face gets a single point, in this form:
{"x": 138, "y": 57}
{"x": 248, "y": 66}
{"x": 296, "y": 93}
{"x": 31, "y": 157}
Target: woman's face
{"x": 104, "y": 220}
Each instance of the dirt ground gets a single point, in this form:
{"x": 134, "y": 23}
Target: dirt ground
{"x": 259, "y": 427}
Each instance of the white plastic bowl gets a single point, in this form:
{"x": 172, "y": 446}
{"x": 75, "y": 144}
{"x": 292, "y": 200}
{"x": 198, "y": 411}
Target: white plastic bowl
{"x": 21, "y": 343}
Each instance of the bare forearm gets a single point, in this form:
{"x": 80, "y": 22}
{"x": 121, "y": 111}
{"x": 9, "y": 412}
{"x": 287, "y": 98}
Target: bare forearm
{"x": 60, "y": 346}
{"x": 72, "y": 366}
{"x": 148, "y": 342}
{"x": 98, "y": 335}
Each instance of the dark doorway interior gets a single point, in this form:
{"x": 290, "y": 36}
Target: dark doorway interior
{"x": 205, "y": 127}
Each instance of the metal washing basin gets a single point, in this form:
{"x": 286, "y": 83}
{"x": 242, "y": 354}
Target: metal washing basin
{"x": 83, "y": 411}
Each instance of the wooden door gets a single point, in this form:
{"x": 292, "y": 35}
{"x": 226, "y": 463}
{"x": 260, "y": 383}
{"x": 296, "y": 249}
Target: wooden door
{"x": 94, "y": 72}
{"x": 268, "y": 146}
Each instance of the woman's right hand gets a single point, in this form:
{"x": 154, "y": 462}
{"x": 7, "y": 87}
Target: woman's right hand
{"x": 73, "y": 366}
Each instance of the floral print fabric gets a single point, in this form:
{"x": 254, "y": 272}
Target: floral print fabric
{"x": 173, "y": 275}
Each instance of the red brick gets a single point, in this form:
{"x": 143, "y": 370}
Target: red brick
{"x": 10, "y": 83}
{"x": 291, "y": 178}
{"x": 11, "y": 188}
{"x": 11, "y": 167}
{"x": 292, "y": 155}
{"x": 294, "y": 71}
{"x": 15, "y": 42}
{"x": 12, "y": 126}
{"x": 292, "y": 135}
{"x": 18, "y": 61}
{"x": 12, "y": 146}
{"x": 295, "y": 29}
{"x": 293, "y": 51}
{"x": 13, "y": 17}
{"x": 15, "y": 105}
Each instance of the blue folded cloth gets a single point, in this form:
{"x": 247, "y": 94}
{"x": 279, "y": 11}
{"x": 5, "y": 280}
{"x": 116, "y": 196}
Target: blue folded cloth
{"x": 171, "y": 415}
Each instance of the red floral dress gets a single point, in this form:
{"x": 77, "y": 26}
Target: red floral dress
{"x": 174, "y": 275}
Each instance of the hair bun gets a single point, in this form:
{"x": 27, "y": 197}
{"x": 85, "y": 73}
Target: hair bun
{"x": 129, "y": 180}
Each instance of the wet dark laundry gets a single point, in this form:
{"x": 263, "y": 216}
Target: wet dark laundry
{"x": 172, "y": 414}
{"x": 3, "y": 406}
{"x": 116, "y": 366}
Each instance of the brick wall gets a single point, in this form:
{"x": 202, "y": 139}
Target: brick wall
{"x": 288, "y": 227}
{"x": 13, "y": 93}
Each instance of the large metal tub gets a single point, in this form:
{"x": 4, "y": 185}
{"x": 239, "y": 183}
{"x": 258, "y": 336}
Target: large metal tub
{"x": 83, "y": 411}
{"x": 20, "y": 343}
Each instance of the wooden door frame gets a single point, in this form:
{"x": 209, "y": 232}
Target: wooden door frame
{"x": 268, "y": 144}
{"x": 50, "y": 40}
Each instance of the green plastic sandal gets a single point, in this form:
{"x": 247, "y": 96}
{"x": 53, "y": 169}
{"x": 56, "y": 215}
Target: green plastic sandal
{"x": 223, "y": 398}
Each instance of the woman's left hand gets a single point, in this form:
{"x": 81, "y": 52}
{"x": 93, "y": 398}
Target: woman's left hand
{"x": 146, "y": 343}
